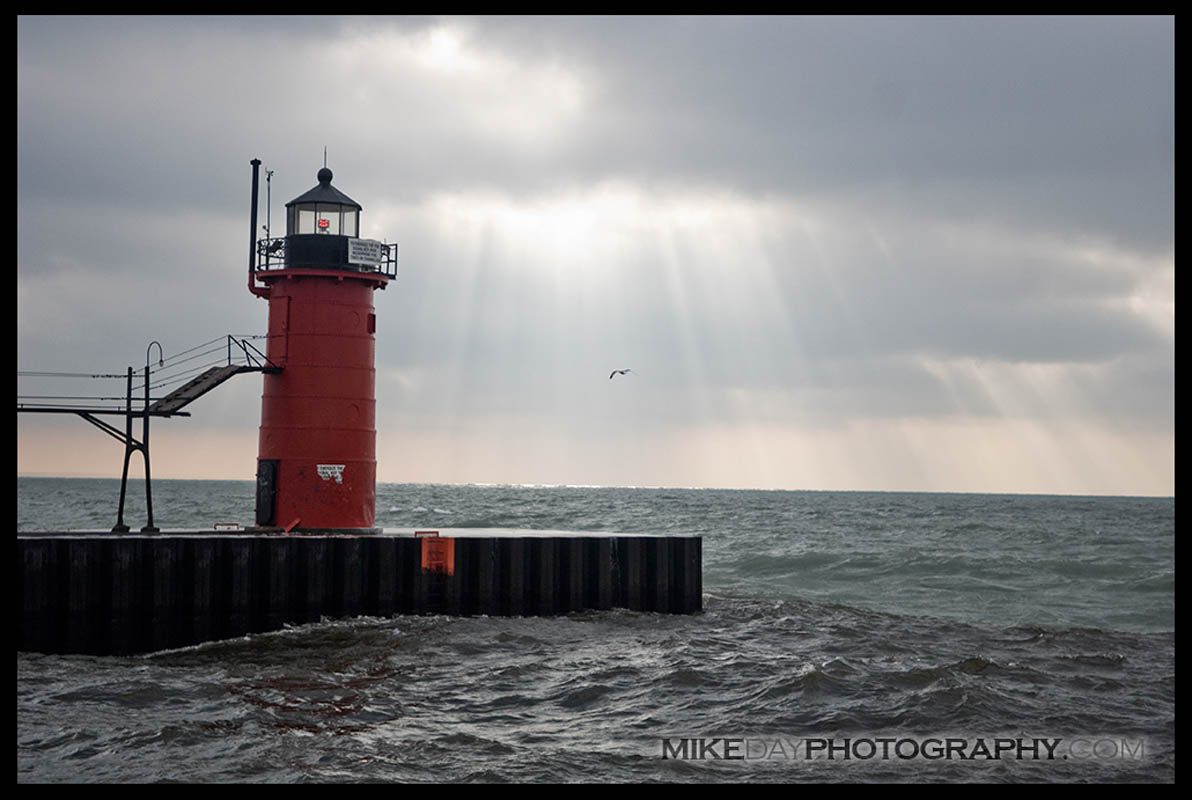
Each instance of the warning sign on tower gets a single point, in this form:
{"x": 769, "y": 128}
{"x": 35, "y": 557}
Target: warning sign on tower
{"x": 331, "y": 472}
{"x": 366, "y": 251}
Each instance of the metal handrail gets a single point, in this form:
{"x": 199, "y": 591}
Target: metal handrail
{"x": 271, "y": 256}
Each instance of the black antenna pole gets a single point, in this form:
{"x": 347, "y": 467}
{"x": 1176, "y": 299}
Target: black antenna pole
{"x": 252, "y": 225}
{"x": 324, "y": 155}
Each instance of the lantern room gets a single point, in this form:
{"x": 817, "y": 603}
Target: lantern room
{"x": 323, "y": 210}
{"x": 319, "y": 224}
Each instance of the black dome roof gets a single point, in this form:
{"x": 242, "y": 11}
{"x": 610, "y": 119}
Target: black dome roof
{"x": 325, "y": 193}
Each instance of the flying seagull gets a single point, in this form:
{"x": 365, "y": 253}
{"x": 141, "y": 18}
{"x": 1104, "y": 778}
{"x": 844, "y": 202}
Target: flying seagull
{"x": 619, "y": 372}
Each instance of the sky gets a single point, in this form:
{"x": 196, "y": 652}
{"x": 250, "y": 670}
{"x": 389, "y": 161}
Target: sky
{"x": 837, "y": 253}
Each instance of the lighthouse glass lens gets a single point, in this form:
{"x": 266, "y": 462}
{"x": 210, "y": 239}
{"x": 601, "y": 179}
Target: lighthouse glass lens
{"x": 328, "y": 219}
{"x": 350, "y": 223}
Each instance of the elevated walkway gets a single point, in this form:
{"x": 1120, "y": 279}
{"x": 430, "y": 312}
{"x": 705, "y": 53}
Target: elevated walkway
{"x": 199, "y": 386}
{"x": 170, "y": 405}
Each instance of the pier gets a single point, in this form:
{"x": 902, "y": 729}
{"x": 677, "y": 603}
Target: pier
{"x": 126, "y": 593}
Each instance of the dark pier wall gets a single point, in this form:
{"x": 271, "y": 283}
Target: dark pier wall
{"x": 118, "y": 594}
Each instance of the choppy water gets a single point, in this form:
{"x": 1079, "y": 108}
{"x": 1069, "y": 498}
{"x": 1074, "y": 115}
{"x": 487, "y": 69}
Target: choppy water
{"x": 867, "y": 617}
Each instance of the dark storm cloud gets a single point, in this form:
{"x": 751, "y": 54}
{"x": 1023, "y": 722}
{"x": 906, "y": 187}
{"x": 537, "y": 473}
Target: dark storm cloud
{"x": 1050, "y": 123}
{"x": 141, "y": 113}
{"x": 1045, "y": 123}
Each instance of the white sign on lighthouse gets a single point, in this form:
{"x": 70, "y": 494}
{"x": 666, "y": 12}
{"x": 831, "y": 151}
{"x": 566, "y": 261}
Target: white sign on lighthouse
{"x": 369, "y": 252}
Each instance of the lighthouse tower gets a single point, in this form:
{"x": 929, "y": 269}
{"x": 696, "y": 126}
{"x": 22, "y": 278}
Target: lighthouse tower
{"x": 316, "y": 464}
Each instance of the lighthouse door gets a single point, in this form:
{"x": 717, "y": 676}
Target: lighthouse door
{"x": 266, "y": 491}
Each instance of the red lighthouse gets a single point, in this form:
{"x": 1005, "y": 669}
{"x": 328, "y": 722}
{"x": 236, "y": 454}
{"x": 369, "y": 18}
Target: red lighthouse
{"x": 316, "y": 464}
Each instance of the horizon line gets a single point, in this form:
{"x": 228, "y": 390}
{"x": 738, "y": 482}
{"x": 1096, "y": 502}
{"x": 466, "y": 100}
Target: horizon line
{"x": 530, "y": 485}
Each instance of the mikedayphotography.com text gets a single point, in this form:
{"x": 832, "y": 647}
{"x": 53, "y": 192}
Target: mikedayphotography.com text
{"x": 903, "y": 748}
